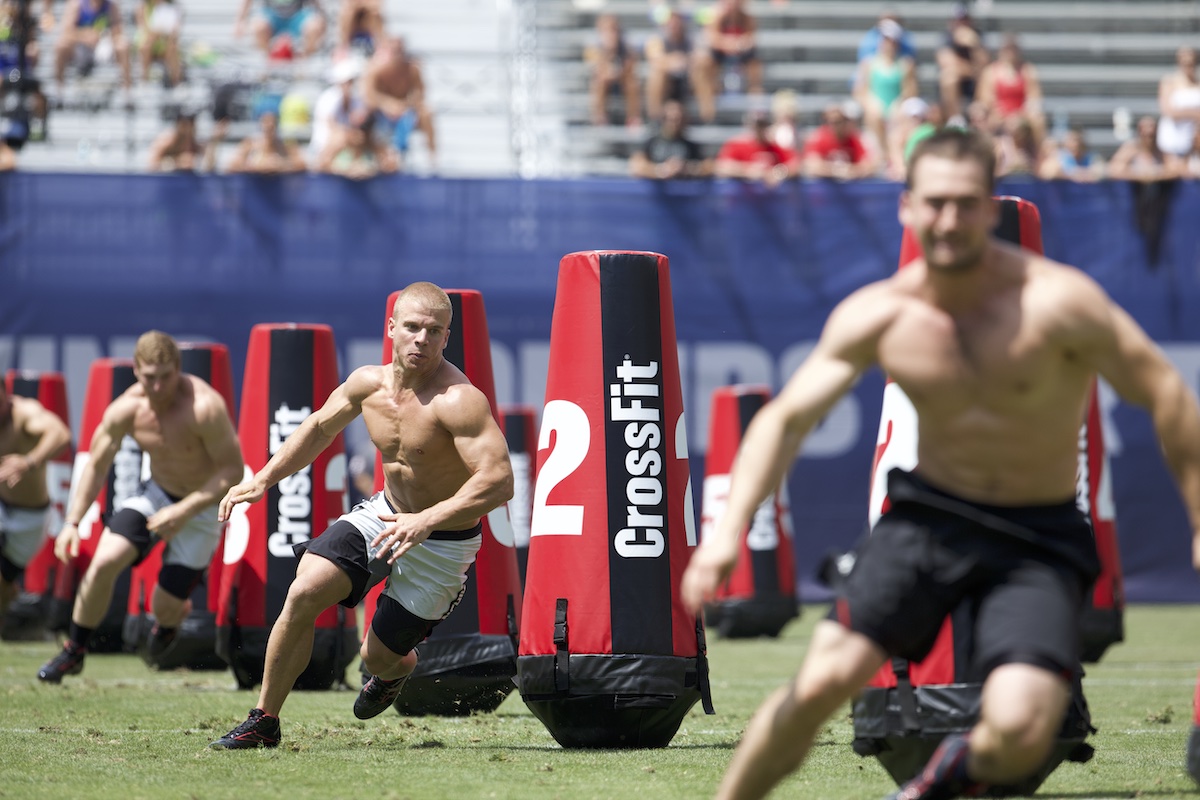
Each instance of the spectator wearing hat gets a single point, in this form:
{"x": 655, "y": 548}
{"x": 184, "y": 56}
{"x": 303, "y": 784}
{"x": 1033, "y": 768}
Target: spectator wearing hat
{"x": 669, "y": 153}
{"x": 915, "y": 120}
{"x": 836, "y": 150}
{"x": 339, "y": 107}
{"x": 869, "y": 44}
{"x": 753, "y": 156}
{"x": 884, "y": 80}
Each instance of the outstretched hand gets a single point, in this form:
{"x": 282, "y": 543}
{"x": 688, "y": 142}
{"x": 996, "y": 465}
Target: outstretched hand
{"x": 66, "y": 544}
{"x": 246, "y": 492}
{"x": 711, "y": 566}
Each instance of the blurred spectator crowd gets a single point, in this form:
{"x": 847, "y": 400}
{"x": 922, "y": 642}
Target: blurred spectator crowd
{"x": 700, "y": 53}
{"x": 316, "y": 86}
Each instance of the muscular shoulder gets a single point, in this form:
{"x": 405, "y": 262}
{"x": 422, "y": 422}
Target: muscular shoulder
{"x": 1066, "y": 302}
{"x": 461, "y": 406}
{"x": 856, "y": 324}
{"x": 365, "y": 381}
{"x": 126, "y": 405}
{"x": 25, "y": 410}
{"x": 207, "y": 402}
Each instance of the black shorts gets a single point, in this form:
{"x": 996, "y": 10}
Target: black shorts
{"x": 345, "y": 545}
{"x": 1026, "y": 571}
{"x": 727, "y": 59}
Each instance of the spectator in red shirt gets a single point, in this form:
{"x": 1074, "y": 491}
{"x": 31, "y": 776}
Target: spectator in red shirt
{"x": 754, "y": 156}
{"x": 836, "y": 150}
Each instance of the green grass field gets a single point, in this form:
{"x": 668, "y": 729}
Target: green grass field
{"x": 122, "y": 731}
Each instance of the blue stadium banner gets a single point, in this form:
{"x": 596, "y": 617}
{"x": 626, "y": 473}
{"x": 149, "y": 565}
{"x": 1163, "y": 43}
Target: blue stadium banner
{"x": 88, "y": 262}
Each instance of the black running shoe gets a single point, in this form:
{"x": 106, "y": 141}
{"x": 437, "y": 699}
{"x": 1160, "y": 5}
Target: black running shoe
{"x": 67, "y": 662}
{"x": 1193, "y": 754}
{"x": 376, "y": 695}
{"x": 259, "y": 730}
{"x": 942, "y": 778}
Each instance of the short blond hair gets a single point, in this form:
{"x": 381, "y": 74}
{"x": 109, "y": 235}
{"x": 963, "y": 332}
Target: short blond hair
{"x": 156, "y": 347}
{"x": 425, "y": 292}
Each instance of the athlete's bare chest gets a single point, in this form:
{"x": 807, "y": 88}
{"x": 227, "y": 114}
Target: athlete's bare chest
{"x": 995, "y": 353}
{"x": 170, "y": 432}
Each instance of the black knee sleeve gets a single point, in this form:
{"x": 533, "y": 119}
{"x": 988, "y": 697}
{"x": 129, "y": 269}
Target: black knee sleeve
{"x": 178, "y": 580}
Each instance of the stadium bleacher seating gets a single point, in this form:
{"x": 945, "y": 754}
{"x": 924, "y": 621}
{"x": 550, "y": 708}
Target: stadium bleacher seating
{"x": 1094, "y": 58}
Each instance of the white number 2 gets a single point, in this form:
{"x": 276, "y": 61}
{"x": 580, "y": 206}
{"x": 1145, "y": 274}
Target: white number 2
{"x": 574, "y": 439}
{"x": 570, "y": 422}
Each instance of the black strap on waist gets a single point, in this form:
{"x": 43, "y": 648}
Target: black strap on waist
{"x": 458, "y": 536}
{"x": 903, "y": 487}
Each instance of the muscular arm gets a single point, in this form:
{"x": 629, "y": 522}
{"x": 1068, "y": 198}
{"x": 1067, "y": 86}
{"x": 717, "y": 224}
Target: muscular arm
{"x": 305, "y": 443}
{"x": 1139, "y": 372}
{"x": 847, "y": 347}
{"x": 481, "y": 445}
{"x": 51, "y": 433}
{"x": 106, "y": 441}
{"x": 221, "y": 443}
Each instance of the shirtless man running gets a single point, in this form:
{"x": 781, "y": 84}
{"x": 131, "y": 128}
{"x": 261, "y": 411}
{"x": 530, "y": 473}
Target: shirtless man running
{"x": 182, "y": 424}
{"x": 997, "y": 348}
{"x": 445, "y": 465}
{"x": 30, "y": 435}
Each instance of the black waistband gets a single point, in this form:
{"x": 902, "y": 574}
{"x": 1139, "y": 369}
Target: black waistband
{"x": 906, "y": 487}
{"x": 9, "y": 506}
{"x": 458, "y": 536}
{"x": 445, "y": 536}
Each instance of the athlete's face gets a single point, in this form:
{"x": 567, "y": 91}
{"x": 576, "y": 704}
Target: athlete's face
{"x": 951, "y": 211}
{"x": 159, "y": 381}
{"x": 419, "y": 334}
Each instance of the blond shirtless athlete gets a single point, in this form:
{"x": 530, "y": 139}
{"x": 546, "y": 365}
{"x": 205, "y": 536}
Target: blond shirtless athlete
{"x": 181, "y": 423}
{"x": 30, "y": 435}
{"x": 997, "y": 348}
{"x": 445, "y": 465}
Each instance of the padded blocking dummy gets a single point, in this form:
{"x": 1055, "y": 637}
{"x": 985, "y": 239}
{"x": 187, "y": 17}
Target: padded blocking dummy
{"x": 195, "y": 645}
{"x": 28, "y": 614}
{"x": 519, "y": 424}
{"x": 609, "y": 657}
{"x": 760, "y": 596}
{"x": 107, "y": 379}
{"x": 468, "y": 662}
{"x": 290, "y": 371}
{"x": 908, "y": 707}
